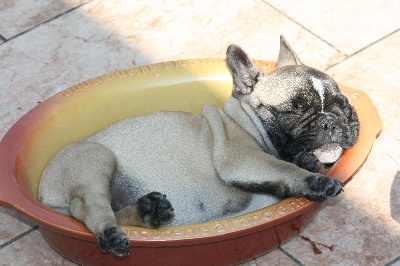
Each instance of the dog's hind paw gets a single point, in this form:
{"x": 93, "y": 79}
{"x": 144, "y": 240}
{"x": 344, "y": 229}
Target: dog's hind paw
{"x": 115, "y": 241}
{"x": 322, "y": 187}
{"x": 155, "y": 209}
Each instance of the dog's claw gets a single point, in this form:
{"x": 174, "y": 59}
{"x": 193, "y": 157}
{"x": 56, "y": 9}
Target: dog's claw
{"x": 114, "y": 241}
{"x": 309, "y": 162}
{"x": 322, "y": 187}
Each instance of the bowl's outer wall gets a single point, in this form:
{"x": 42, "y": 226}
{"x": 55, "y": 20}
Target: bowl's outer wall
{"x": 184, "y": 85}
{"x": 228, "y": 251}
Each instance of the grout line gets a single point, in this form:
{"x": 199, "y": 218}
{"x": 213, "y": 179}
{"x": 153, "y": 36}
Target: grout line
{"x": 364, "y": 48}
{"x": 376, "y": 41}
{"x": 346, "y": 56}
{"x": 393, "y": 261}
{"x": 305, "y": 28}
{"x": 46, "y": 21}
{"x": 290, "y": 256}
{"x": 2, "y": 38}
{"x": 36, "y": 227}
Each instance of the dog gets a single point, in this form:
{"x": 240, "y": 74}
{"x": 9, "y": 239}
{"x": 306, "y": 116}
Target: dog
{"x": 268, "y": 138}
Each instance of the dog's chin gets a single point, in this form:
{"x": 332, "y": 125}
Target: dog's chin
{"x": 328, "y": 153}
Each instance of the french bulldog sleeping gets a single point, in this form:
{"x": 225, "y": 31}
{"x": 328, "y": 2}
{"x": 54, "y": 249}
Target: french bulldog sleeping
{"x": 266, "y": 139}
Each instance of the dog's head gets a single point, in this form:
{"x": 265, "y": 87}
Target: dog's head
{"x": 302, "y": 109}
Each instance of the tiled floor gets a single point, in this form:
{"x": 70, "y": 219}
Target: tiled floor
{"x": 47, "y": 46}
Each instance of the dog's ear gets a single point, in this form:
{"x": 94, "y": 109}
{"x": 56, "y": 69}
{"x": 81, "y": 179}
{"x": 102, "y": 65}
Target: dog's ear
{"x": 286, "y": 55}
{"x": 245, "y": 74}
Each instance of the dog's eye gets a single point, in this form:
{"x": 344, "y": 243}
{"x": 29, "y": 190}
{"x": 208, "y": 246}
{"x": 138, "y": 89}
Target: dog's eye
{"x": 299, "y": 103}
{"x": 340, "y": 100}
{"x": 257, "y": 77}
{"x": 343, "y": 103}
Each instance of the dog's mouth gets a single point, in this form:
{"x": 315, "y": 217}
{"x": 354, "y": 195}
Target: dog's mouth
{"x": 328, "y": 153}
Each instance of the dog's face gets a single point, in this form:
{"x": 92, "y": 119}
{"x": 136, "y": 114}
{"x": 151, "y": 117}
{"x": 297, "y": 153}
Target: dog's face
{"x": 301, "y": 108}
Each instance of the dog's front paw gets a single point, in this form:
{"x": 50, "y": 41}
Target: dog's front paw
{"x": 115, "y": 241}
{"x": 309, "y": 162}
{"x": 155, "y": 209}
{"x": 322, "y": 187}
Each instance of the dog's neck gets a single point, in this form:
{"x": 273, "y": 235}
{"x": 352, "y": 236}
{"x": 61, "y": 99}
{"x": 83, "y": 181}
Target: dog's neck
{"x": 245, "y": 116}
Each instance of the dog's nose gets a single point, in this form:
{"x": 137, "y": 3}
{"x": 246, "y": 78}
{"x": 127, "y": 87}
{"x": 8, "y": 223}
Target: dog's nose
{"x": 327, "y": 122}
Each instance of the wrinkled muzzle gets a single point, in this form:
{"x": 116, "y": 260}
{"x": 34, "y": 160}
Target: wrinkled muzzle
{"x": 334, "y": 134}
{"x": 326, "y": 132}
{"x": 329, "y": 129}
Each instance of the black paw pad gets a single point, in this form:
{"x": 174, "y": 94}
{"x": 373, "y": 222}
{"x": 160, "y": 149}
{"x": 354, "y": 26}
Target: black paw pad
{"x": 322, "y": 187}
{"x": 309, "y": 162}
{"x": 115, "y": 241}
{"x": 155, "y": 209}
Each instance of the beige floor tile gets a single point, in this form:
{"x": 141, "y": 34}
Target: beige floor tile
{"x": 12, "y": 225}
{"x": 180, "y": 30}
{"x": 273, "y": 258}
{"x": 17, "y": 16}
{"x": 396, "y": 263}
{"x": 31, "y": 250}
{"x": 347, "y": 25}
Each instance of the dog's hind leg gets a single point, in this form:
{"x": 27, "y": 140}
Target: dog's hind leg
{"x": 91, "y": 201}
{"x": 78, "y": 179}
{"x": 99, "y": 218}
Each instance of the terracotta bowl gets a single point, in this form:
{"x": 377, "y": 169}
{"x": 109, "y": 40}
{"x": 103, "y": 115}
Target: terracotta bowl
{"x": 180, "y": 85}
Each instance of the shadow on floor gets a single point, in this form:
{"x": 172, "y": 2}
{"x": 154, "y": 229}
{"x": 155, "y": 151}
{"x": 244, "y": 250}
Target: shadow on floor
{"x": 395, "y": 198}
